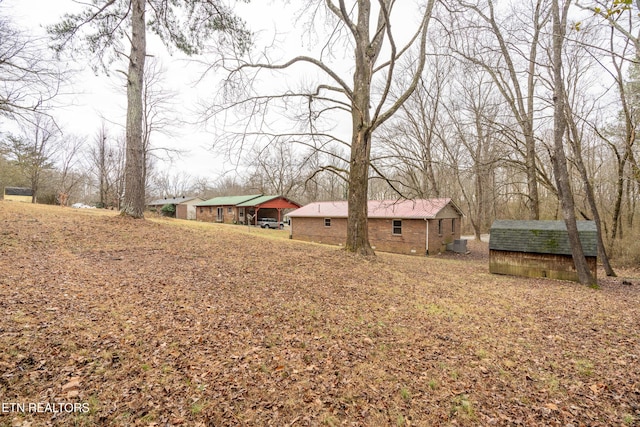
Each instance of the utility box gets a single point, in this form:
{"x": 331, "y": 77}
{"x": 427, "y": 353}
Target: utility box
{"x": 458, "y": 246}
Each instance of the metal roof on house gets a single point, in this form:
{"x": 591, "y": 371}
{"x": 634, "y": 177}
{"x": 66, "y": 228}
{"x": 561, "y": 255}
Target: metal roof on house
{"x": 401, "y": 209}
{"x": 228, "y": 200}
{"x": 257, "y": 201}
{"x": 264, "y": 199}
{"x": 545, "y": 237}
{"x": 18, "y": 191}
{"x": 172, "y": 201}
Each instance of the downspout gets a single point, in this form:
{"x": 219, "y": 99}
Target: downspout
{"x": 426, "y": 252}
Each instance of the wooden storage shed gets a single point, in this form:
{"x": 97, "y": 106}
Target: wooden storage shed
{"x": 539, "y": 248}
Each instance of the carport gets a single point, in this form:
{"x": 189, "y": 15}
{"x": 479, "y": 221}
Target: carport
{"x": 268, "y": 207}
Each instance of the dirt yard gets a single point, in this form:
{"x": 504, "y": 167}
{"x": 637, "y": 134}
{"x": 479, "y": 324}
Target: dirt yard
{"x": 109, "y": 321}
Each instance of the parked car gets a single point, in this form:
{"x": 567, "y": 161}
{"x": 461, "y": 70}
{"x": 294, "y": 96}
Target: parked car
{"x": 270, "y": 223}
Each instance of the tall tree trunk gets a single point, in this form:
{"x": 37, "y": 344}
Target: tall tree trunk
{"x": 134, "y": 192}
{"x": 357, "y": 221}
{"x": 532, "y": 177}
{"x": 617, "y": 207}
{"x": 559, "y": 159}
{"x": 588, "y": 188}
{"x": 357, "y": 228}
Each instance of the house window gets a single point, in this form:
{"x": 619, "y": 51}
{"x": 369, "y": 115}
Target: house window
{"x": 241, "y": 213}
{"x": 440, "y": 227}
{"x": 229, "y": 209}
{"x": 327, "y": 222}
{"x": 397, "y": 227}
{"x": 453, "y": 226}
{"x": 201, "y": 210}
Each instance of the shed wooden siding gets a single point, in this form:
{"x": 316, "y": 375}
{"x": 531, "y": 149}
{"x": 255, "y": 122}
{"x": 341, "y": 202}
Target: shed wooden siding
{"x": 187, "y": 210}
{"x": 181, "y": 211}
{"x": 412, "y": 241}
{"x": 526, "y": 264}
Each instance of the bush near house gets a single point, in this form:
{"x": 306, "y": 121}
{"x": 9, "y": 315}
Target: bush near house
{"x": 168, "y": 210}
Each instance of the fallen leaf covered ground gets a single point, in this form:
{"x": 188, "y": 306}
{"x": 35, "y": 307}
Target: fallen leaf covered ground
{"x": 167, "y": 323}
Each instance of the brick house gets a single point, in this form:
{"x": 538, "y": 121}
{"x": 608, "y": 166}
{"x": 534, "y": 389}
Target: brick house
{"x": 224, "y": 209}
{"x": 417, "y": 227}
{"x": 539, "y": 248}
{"x": 243, "y": 209}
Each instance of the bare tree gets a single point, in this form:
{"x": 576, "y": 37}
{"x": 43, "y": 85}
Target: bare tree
{"x": 580, "y": 108}
{"x": 158, "y": 116}
{"x": 67, "y": 164}
{"x": 507, "y": 49}
{"x": 379, "y": 57}
{"x": 105, "y": 163}
{"x": 33, "y": 150}
{"x": 411, "y": 141}
{"x": 170, "y": 185}
{"x": 29, "y": 78}
{"x": 559, "y": 19}
{"x": 275, "y": 169}
{"x": 472, "y": 117}
{"x": 183, "y": 24}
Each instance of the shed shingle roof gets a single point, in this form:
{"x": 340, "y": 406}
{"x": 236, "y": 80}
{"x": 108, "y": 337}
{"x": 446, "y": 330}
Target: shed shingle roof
{"x": 228, "y": 200}
{"x": 407, "y": 209}
{"x": 546, "y": 237}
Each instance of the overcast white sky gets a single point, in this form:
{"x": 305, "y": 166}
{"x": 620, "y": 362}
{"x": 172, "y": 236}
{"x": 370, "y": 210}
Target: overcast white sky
{"x": 95, "y": 96}
{"x": 274, "y": 22}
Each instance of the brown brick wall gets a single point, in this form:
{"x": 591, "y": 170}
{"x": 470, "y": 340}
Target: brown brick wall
{"x": 210, "y": 214}
{"x": 438, "y": 240}
{"x": 206, "y": 213}
{"x": 314, "y": 230}
{"x": 411, "y": 241}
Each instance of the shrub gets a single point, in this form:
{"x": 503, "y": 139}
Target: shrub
{"x": 168, "y": 210}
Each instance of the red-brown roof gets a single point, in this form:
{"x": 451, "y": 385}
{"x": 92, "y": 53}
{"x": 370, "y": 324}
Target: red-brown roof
{"x": 420, "y": 208}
